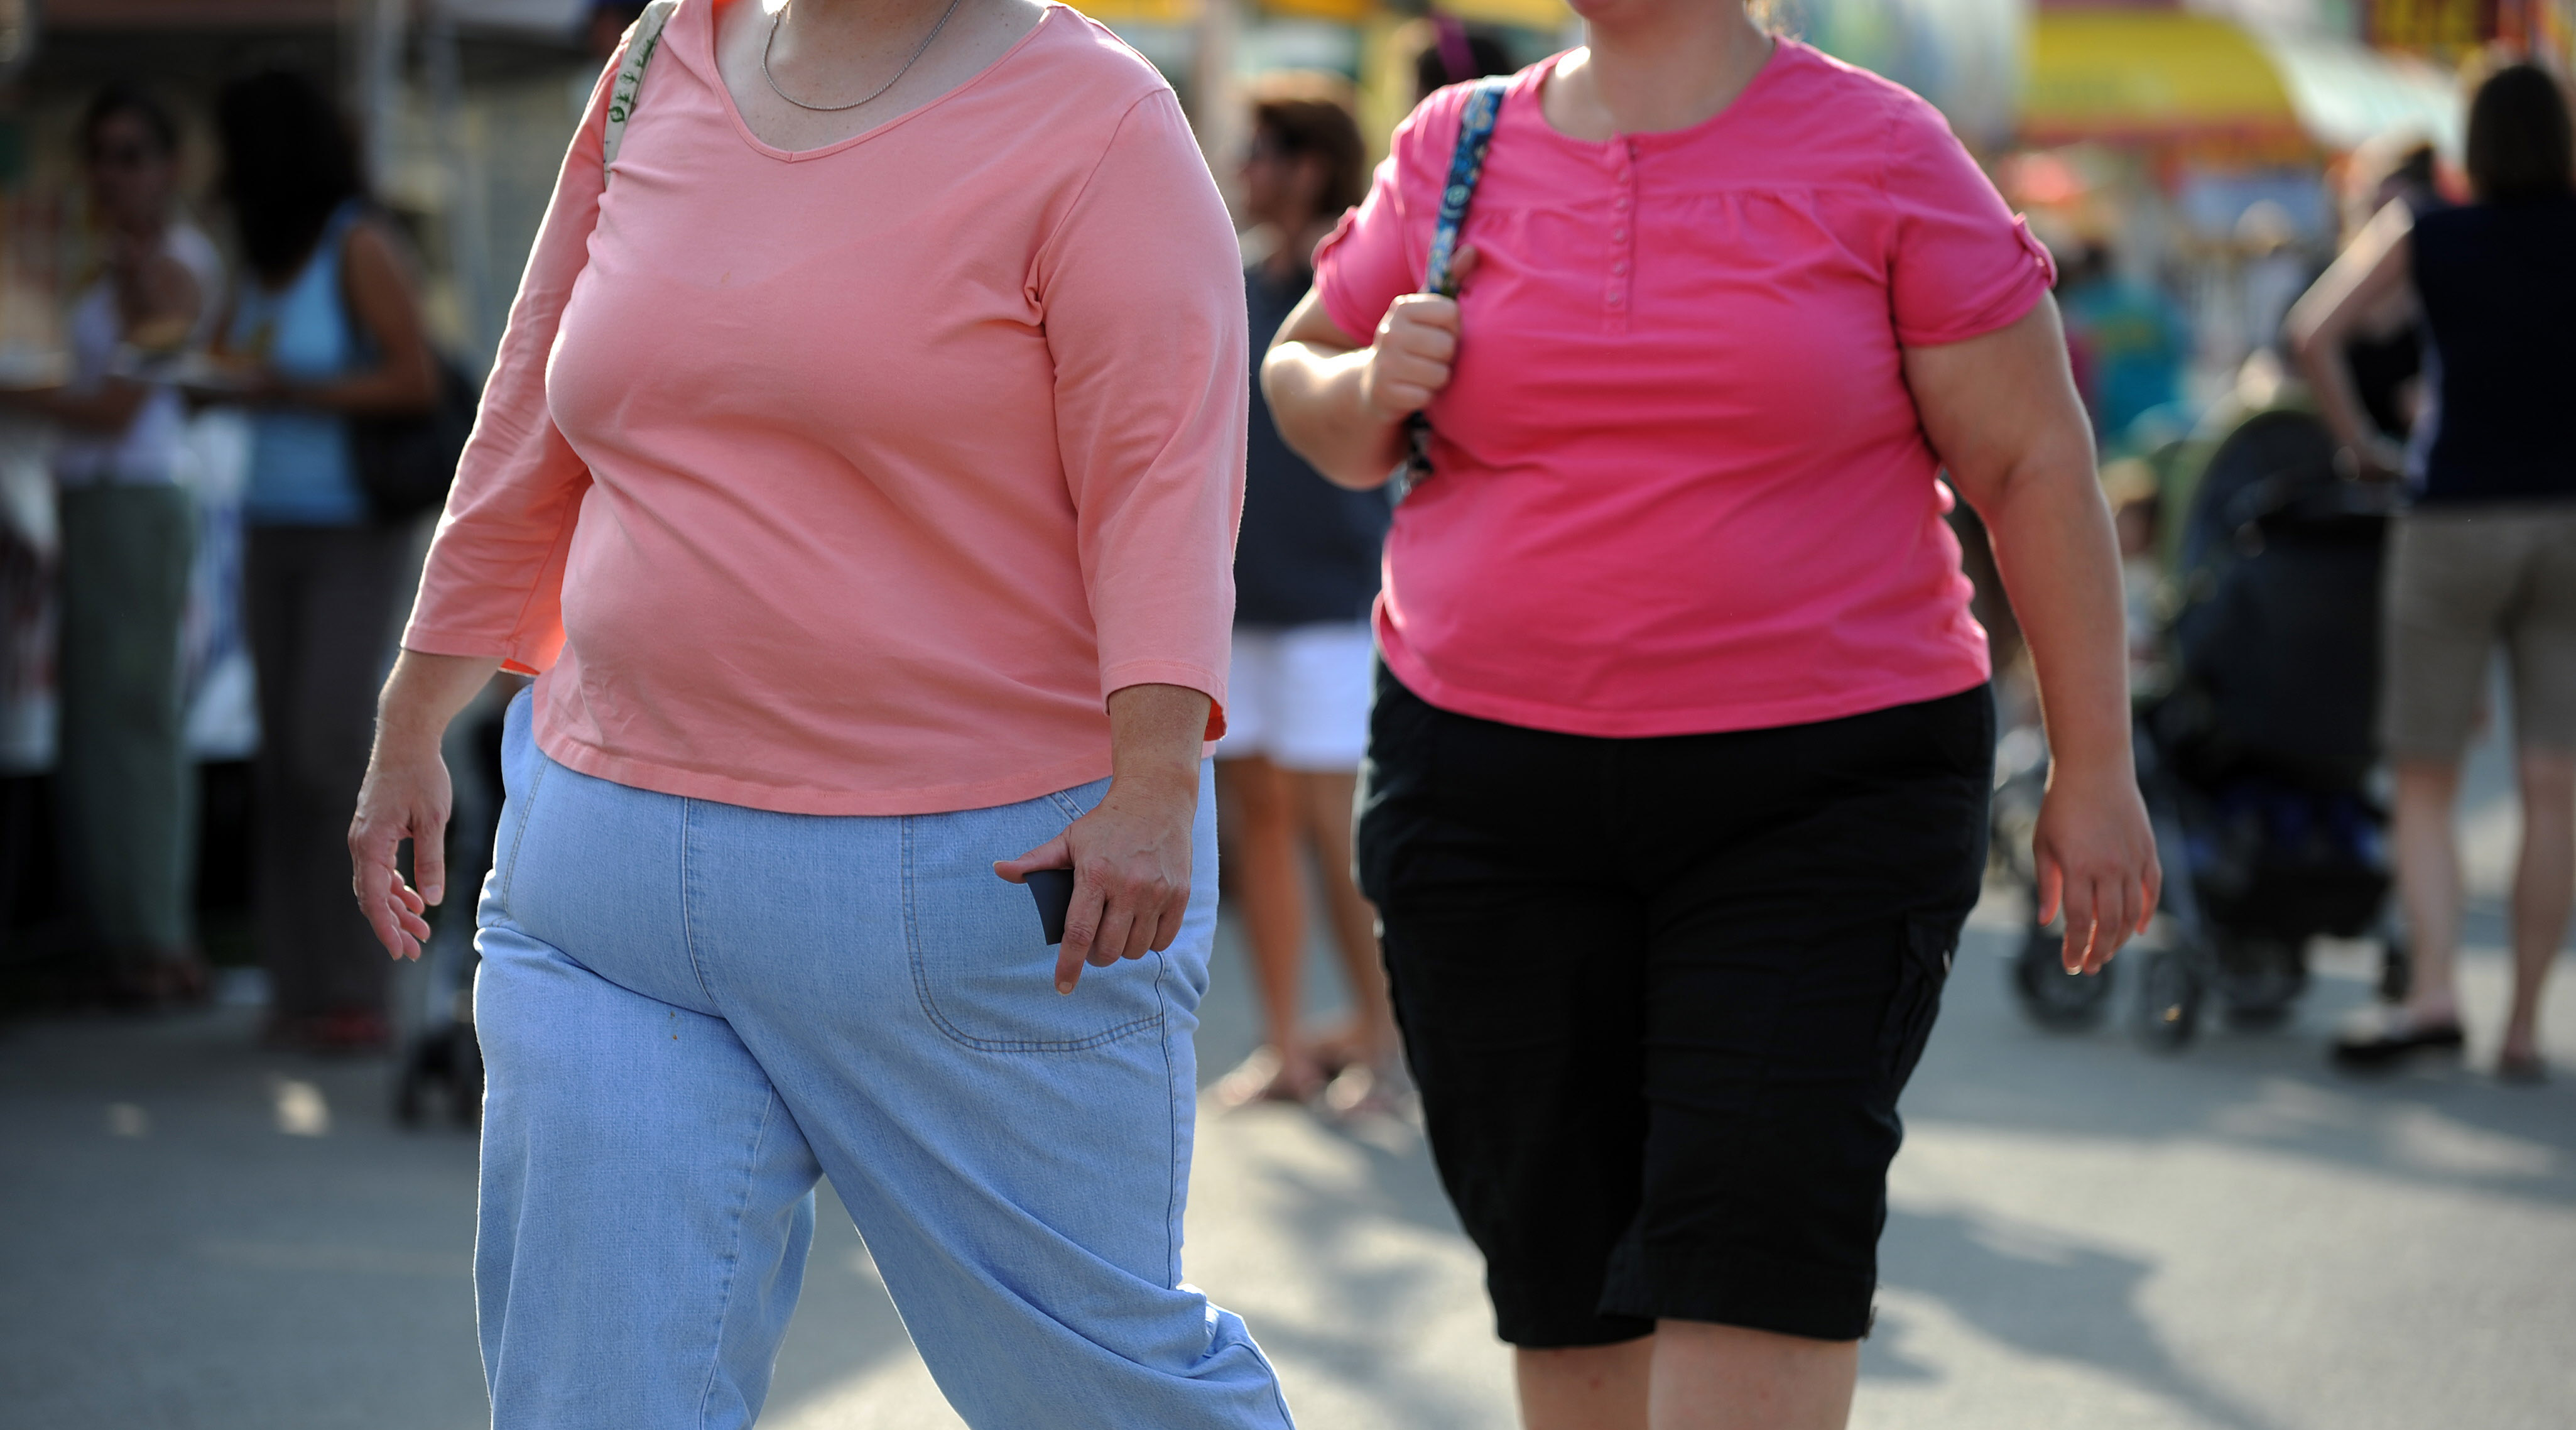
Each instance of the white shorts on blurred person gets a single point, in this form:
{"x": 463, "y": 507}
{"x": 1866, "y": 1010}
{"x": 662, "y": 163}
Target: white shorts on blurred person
{"x": 1300, "y": 695}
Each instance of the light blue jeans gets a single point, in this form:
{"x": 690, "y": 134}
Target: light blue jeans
{"x": 692, "y": 1011}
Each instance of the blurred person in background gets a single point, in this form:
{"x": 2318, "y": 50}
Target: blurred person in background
{"x": 326, "y": 327}
{"x": 123, "y": 783}
{"x": 2486, "y": 553}
{"x": 1676, "y": 794}
{"x": 1454, "y": 52}
{"x": 860, "y": 465}
{"x": 1305, "y": 572}
{"x": 2385, "y": 347}
{"x": 2133, "y": 338}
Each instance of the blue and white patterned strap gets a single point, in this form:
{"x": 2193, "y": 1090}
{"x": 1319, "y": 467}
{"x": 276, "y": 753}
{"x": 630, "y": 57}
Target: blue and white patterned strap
{"x": 1466, "y": 166}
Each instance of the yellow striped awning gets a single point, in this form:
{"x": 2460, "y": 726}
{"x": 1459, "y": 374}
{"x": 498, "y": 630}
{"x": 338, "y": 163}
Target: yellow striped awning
{"x": 2150, "y": 75}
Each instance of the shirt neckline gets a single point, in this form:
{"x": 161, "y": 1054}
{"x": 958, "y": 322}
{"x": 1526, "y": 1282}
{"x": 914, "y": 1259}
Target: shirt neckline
{"x": 1532, "y": 94}
{"x": 705, "y": 52}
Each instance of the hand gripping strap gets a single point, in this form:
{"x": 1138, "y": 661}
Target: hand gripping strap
{"x": 1466, "y": 166}
{"x": 642, "y": 39}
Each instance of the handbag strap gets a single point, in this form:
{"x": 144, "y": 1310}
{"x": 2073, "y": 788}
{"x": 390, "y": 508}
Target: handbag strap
{"x": 1466, "y": 168}
{"x": 642, "y": 39}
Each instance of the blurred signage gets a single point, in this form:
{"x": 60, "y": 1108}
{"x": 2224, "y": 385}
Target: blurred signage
{"x": 2433, "y": 25}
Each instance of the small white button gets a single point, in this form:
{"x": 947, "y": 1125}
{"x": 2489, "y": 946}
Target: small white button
{"x": 1620, "y": 203}
{"x": 1619, "y": 235}
{"x": 1619, "y": 267}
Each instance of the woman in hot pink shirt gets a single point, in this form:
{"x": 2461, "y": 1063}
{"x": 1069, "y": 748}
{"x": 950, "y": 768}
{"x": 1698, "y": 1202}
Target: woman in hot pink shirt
{"x": 1677, "y": 787}
{"x": 859, "y": 472}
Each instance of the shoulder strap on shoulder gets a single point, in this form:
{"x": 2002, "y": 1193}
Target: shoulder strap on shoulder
{"x": 642, "y": 39}
{"x": 1466, "y": 166}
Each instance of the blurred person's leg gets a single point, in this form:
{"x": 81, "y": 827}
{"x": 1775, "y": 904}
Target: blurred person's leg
{"x": 2428, "y": 885}
{"x": 1270, "y": 893}
{"x": 126, "y": 786}
{"x": 2544, "y": 885}
{"x": 1369, "y": 1038}
{"x": 2542, "y": 643}
{"x": 1321, "y": 737}
{"x": 322, "y": 600}
{"x": 2448, "y": 585}
{"x": 1263, "y": 876}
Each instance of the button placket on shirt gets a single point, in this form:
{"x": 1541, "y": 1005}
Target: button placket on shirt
{"x": 1621, "y": 278}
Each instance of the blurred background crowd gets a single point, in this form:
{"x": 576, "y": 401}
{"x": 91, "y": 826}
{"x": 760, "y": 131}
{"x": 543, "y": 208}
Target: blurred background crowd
{"x": 254, "y": 251}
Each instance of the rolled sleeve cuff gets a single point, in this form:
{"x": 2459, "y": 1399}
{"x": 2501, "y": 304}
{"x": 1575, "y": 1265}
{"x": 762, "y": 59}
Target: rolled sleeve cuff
{"x": 1187, "y": 675}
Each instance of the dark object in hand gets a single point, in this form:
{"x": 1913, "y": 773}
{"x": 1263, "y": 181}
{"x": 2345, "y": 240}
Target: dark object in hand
{"x": 1053, "y": 889}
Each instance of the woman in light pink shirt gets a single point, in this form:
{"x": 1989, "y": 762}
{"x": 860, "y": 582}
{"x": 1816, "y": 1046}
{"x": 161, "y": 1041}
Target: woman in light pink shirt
{"x": 858, "y": 474}
{"x": 1676, "y": 792}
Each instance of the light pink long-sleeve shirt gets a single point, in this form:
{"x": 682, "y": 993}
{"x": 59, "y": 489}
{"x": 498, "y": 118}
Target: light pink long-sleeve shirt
{"x": 853, "y": 480}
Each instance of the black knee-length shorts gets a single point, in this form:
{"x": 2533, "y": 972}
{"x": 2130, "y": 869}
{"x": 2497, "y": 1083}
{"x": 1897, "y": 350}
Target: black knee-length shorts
{"x": 1661, "y": 995}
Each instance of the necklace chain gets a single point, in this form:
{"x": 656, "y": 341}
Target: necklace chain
{"x": 917, "y": 52}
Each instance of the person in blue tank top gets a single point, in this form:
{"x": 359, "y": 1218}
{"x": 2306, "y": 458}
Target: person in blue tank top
{"x": 325, "y": 329}
{"x": 2486, "y": 553}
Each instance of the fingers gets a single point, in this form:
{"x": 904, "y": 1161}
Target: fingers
{"x": 429, "y": 859}
{"x": 2152, "y": 895}
{"x": 1054, "y": 854}
{"x": 1462, "y": 263}
{"x": 1117, "y": 927}
{"x": 1082, "y": 924}
{"x": 2077, "y": 954}
{"x": 2052, "y": 886}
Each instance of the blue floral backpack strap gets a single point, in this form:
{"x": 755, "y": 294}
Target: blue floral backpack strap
{"x": 1466, "y": 166}
{"x": 642, "y": 39}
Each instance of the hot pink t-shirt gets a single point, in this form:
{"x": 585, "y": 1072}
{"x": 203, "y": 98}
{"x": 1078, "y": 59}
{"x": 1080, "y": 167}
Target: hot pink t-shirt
{"x": 852, "y": 480}
{"x": 1679, "y": 484}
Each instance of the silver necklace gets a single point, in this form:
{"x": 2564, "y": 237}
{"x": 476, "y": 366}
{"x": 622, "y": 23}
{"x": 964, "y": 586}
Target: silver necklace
{"x": 917, "y": 52}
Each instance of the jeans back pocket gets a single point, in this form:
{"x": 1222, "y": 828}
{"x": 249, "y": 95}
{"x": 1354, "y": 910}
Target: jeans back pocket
{"x": 981, "y": 966}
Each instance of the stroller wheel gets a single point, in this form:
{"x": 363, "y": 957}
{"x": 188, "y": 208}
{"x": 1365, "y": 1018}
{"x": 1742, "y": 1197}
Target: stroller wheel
{"x": 2168, "y": 1007}
{"x": 2260, "y": 980}
{"x": 2049, "y": 995}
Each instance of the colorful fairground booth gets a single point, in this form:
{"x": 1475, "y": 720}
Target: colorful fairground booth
{"x": 2199, "y": 152}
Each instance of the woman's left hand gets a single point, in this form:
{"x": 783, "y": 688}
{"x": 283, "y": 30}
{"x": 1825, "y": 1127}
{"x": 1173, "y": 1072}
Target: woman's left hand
{"x": 2096, "y": 857}
{"x": 1130, "y": 858}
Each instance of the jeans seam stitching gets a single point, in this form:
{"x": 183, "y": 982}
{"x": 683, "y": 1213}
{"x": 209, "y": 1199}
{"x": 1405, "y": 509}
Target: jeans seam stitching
{"x": 1171, "y": 1130}
{"x": 688, "y": 918}
{"x": 733, "y": 1257}
{"x": 519, "y": 836}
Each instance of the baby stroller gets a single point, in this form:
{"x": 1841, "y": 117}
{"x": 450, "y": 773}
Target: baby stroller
{"x": 2256, "y": 762}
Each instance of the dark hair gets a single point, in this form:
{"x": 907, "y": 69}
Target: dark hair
{"x": 122, "y": 99}
{"x": 1306, "y": 118}
{"x": 2518, "y": 139}
{"x": 1457, "y": 52}
{"x": 289, "y": 164}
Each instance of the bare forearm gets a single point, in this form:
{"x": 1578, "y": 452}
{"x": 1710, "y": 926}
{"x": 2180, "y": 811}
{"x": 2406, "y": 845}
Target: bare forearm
{"x": 111, "y": 407}
{"x": 1155, "y": 735}
{"x": 2060, "y": 562}
{"x": 2321, "y": 357}
{"x": 396, "y": 389}
{"x": 424, "y": 693}
{"x": 1317, "y": 399}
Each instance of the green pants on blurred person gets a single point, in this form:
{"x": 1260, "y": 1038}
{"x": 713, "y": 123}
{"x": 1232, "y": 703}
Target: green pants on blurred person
{"x": 124, "y": 792}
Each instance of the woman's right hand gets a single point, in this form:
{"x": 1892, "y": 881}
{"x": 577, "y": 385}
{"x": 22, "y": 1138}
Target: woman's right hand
{"x": 1416, "y": 341}
{"x": 407, "y": 795}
